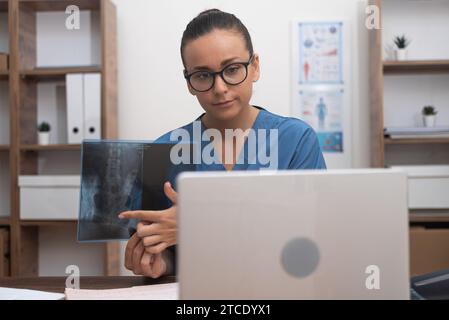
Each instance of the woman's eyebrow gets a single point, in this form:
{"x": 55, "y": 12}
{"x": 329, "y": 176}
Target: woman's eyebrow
{"x": 224, "y": 62}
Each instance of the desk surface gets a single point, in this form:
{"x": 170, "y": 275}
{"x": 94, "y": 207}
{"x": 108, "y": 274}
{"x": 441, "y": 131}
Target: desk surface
{"x": 57, "y": 284}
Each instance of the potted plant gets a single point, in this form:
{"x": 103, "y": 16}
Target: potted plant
{"x": 429, "y": 115}
{"x": 44, "y": 133}
{"x": 401, "y": 43}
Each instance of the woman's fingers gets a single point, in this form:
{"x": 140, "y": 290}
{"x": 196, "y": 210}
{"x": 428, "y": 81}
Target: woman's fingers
{"x": 145, "y": 264}
{"x": 152, "y": 265}
{"x": 151, "y": 240}
{"x": 159, "y": 266}
{"x": 170, "y": 192}
{"x": 156, "y": 249}
{"x": 137, "y": 257}
{"x": 152, "y": 216}
{"x": 147, "y": 230}
{"x": 132, "y": 243}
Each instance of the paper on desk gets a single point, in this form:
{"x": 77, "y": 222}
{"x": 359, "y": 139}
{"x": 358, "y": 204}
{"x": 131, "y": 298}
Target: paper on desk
{"x": 25, "y": 294}
{"x": 167, "y": 291}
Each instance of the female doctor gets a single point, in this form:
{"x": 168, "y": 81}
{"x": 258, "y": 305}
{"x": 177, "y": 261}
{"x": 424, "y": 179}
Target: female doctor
{"x": 220, "y": 68}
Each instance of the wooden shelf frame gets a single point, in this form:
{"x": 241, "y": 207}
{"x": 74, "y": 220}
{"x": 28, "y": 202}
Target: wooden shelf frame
{"x": 429, "y": 218}
{"x": 5, "y": 221}
{"x": 51, "y": 74}
{"x": 378, "y": 70}
{"x": 3, "y": 5}
{"x": 48, "y": 223}
{"x": 4, "y": 75}
{"x": 60, "y": 5}
{"x": 50, "y": 147}
{"x": 389, "y": 141}
{"x": 23, "y": 76}
{"x": 416, "y": 66}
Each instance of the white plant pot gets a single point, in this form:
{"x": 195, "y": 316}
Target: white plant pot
{"x": 429, "y": 121}
{"x": 44, "y": 138}
{"x": 401, "y": 54}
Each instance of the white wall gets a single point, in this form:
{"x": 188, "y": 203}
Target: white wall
{"x": 153, "y": 97}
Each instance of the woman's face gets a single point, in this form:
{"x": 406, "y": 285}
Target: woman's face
{"x": 213, "y": 52}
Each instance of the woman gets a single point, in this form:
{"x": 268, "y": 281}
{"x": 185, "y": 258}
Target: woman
{"x": 220, "y": 68}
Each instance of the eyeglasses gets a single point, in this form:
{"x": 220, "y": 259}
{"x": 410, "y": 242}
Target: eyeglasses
{"x": 233, "y": 74}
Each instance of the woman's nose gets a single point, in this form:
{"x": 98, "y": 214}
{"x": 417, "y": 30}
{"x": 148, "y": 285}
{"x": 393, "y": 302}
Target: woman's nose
{"x": 219, "y": 85}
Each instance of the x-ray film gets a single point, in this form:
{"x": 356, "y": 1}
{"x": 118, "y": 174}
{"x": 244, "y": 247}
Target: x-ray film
{"x": 119, "y": 176}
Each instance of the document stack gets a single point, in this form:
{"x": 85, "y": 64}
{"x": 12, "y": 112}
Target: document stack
{"x": 416, "y": 132}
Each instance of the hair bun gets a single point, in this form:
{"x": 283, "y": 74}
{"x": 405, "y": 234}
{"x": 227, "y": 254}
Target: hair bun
{"x": 205, "y": 12}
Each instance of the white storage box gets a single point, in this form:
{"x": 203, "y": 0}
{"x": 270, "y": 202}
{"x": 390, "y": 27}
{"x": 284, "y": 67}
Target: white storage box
{"x": 49, "y": 197}
{"x": 428, "y": 186}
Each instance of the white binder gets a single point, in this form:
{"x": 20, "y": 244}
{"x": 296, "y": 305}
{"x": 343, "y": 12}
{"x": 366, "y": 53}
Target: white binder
{"x": 75, "y": 108}
{"x": 92, "y": 106}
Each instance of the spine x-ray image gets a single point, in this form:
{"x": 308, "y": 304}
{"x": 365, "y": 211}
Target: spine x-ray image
{"x": 118, "y": 176}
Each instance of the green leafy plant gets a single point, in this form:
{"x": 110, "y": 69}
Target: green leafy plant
{"x": 429, "y": 111}
{"x": 44, "y": 127}
{"x": 401, "y": 42}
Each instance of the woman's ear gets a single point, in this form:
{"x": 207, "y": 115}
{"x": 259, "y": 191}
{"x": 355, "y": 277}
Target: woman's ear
{"x": 256, "y": 68}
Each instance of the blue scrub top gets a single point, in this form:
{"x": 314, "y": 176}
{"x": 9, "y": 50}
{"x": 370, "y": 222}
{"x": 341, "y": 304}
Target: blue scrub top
{"x": 297, "y": 145}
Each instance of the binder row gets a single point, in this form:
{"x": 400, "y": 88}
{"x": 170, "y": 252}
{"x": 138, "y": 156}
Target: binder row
{"x": 83, "y": 106}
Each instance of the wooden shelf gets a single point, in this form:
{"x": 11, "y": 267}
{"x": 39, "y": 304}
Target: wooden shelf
{"x": 60, "y": 5}
{"x": 47, "y": 223}
{"x": 4, "y": 147}
{"x": 56, "y": 73}
{"x": 4, "y": 221}
{"x": 432, "y": 218}
{"x": 50, "y": 147}
{"x": 4, "y": 75}
{"x": 23, "y": 79}
{"x": 416, "y": 66}
{"x": 3, "y": 5}
{"x": 389, "y": 141}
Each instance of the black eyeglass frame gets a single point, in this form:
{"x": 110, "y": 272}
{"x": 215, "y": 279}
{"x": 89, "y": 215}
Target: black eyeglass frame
{"x": 220, "y": 73}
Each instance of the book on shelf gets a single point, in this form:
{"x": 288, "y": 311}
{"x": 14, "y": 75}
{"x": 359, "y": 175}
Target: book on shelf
{"x": 416, "y": 132}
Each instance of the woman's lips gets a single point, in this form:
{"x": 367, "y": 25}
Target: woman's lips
{"x": 224, "y": 104}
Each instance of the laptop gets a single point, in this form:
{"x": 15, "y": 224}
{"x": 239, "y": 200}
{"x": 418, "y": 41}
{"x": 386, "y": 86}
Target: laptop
{"x": 306, "y": 234}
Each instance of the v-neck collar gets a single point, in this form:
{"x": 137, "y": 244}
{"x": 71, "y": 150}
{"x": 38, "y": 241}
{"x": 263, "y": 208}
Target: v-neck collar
{"x": 240, "y": 164}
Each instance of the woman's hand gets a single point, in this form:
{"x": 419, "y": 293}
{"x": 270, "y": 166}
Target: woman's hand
{"x": 157, "y": 229}
{"x": 141, "y": 262}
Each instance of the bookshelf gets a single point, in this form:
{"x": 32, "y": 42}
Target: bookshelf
{"x": 23, "y": 78}
{"x": 385, "y": 72}
{"x": 4, "y": 147}
{"x": 399, "y": 89}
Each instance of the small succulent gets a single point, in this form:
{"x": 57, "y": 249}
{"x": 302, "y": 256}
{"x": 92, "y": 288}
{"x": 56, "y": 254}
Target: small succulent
{"x": 44, "y": 127}
{"x": 401, "y": 42}
{"x": 429, "y": 111}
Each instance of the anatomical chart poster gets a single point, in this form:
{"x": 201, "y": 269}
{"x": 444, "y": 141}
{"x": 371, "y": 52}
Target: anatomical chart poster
{"x": 321, "y": 94}
{"x": 322, "y": 110}
{"x": 320, "y": 53}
